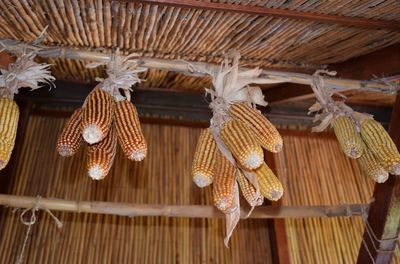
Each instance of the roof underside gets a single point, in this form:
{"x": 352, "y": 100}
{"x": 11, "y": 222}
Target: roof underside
{"x": 199, "y": 35}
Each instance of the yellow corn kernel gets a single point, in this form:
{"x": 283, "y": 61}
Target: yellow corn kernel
{"x": 381, "y": 145}
{"x": 270, "y": 186}
{"x": 223, "y": 185}
{"x": 70, "y": 139}
{"x": 130, "y": 135}
{"x": 371, "y": 167}
{"x": 204, "y": 159}
{"x": 348, "y": 137}
{"x": 97, "y": 116}
{"x": 101, "y": 156}
{"x": 9, "y": 116}
{"x": 264, "y": 131}
{"x": 242, "y": 143}
{"x": 248, "y": 190}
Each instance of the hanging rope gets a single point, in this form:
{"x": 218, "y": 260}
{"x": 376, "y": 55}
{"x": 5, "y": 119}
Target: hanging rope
{"x": 32, "y": 220}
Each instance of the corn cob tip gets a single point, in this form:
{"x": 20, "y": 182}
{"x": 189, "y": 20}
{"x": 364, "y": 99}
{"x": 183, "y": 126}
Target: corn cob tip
{"x": 275, "y": 195}
{"x": 64, "y": 151}
{"x": 96, "y": 173}
{"x": 254, "y": 161}
{"x": 395, "y": 169}
{"x": 138, "y": 155}
{"x": 202, "y": 180}
{"x": 225, "y": 205}
{"x": 92, "y": 134}
{"x": 381, "y": 176}
{"x": 1, "y": 164}
{"x": 355, "y": 153}
{"x": 277, "y": 148}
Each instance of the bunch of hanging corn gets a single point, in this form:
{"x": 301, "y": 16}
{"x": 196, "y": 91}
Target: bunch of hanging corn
{"x": 370, "y": 144}
{"x": 245, "y": 135}
{"x": 102, "y": 122}
{"x": 382, "y": 154}
{"x": 9, "y": 116}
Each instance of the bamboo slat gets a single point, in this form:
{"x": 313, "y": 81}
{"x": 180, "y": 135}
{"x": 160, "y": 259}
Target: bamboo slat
{"x": 315, "y": 172}
{"x": 162, "y": 178}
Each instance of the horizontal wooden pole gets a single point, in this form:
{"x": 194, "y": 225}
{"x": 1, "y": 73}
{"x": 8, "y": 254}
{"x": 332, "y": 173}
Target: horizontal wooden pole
{"x": 276, "y": 12}
{"x": 193, "y": 68}
{"x": 191, "y": 211}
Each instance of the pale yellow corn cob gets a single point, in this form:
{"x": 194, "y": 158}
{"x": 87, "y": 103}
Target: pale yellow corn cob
{"x": 97, "y": 116}
{"x": 381, "y": 145}
{"x": 242, "y": 143}
{"x": 371, "y": 167}
{"x": 270, "y": 186}
{"x": 248, "y": 190}
{"x": 204, "y": 159}
{"x": 223, "y": 185}
{"x": 348, "y": 137}
{"x": 71, "y": 139}
{"x": 265, "y": 132}
{"x": 130, "y": 135}
{"x": 9, "y": 116}
{"x": 101, "y": 156}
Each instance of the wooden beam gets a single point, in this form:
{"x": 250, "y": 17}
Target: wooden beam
{"x": 384, "y": 214}
{"x": 385, "y": 62}
{"x": 192, "y": 211}
{"x": 190, "y": 68}
{"x": 182, "y": 106}
{"x": 276, "y": 12}
{"x": 5, "y": 60}
{"x": 280, "y": 238}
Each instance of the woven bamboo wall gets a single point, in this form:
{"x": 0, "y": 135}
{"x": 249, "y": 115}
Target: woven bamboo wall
{"x": 163, "y": 178}
{"x": 315, "y": 172}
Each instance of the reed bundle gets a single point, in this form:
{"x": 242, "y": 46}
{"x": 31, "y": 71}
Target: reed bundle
{"x": 91, "y": 238}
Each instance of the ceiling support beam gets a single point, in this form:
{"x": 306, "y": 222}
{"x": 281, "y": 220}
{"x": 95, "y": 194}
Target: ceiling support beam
{"x": 384, "y": 213}
{"x": 190, "y": 68}
{"x": 381, "y": 63}
{"x": 276, "y": 12}
{"x": 183, "y": 106}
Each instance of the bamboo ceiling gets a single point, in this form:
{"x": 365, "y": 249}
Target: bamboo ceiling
{"x": 201, "y": 35}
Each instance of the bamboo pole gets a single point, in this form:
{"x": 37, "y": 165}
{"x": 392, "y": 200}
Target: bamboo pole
{"x": 191, "y": 211}
{"x": 192, "y": 68}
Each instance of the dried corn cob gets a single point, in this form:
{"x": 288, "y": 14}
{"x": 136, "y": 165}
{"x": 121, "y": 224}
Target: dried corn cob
{"x": 71, "y": 139}
{"x": 9, "y": 116}
{"x": 241, "y": 142}
{"x": 97, "y": 116}
{"x": 270, "y": 186}
{"x": 223, "y": 185}
{"x": 101, "y": 156}
{"x": 204, "y": 159}
{"x": 265, "y": 132}
{"x": 371, "y": 167}
{"x": 248, "y": 190}
{"x": 381, "y": 145}
{"x": 348, "y": 137}
{"x": 130, "y": 134}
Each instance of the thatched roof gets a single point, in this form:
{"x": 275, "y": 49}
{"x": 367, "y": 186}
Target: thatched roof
{"x": 200, "y": 35}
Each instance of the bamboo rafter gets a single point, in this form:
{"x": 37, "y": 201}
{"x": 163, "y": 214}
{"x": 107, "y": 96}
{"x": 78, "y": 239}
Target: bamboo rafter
{"x": 190, "y": 211}
{"x": 192, "y": 68}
